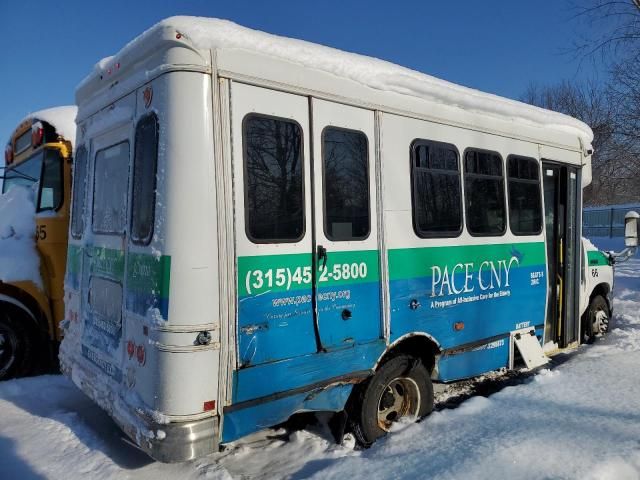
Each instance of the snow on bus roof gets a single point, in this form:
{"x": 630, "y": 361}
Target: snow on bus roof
{"x": 378, "y": 74}
{"x": 63, "y": 119}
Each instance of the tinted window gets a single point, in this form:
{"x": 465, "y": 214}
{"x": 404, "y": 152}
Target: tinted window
{"x": 436, "y": 191}
{"x": 484, "y": 193}
{"x": 111, "y": 174}
{"x": 144, "y": 179}
{"x": 346, "y": 184}
{"x": 274, "y": 203}
{"x": 525, "y": 208}
{"x": 79, "y": 192}
{"x": 51, "y": 184}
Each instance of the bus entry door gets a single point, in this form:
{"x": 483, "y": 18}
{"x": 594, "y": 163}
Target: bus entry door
{"x": 347, "y": 286}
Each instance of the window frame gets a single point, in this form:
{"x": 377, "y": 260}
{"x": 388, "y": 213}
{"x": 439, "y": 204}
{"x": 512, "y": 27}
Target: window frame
{"x": 245, "y": 193}
{"x": 368, "y": 174}
{"x": 479, "y": 175}
{"x": 57, "y": 207}
{"x": 412, "y": 151}
{"x": 75, "y": 234}
{"x": 538, "y": 182}
{"x": 93, "y": 197}
{"x": 147, "y": 239}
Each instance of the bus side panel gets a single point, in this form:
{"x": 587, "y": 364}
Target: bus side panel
{"x": 487, "y": 287}
{"x": 465, "y": 292}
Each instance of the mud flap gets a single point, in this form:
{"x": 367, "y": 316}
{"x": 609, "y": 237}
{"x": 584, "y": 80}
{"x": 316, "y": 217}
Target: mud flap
{"x": 526, "y": 342}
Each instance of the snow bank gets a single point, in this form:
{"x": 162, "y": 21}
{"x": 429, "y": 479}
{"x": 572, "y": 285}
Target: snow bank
{"x": 19, "y": 259}
{"x": 372, "y": 72}
{"x": 62, "y": 118}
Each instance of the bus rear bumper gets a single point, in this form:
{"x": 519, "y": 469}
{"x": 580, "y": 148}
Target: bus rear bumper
{"x": 172, "y": 442}
{"x": 179, "y": 441}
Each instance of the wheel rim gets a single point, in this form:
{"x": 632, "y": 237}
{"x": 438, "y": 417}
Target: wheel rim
{"x": 399, "y": 399}
{"x": 8, "y": 347}
{"x": 600, "y": 322}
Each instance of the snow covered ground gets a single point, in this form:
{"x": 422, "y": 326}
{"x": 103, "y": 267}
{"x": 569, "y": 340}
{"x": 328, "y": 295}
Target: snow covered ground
{"x": 578, "y": 419}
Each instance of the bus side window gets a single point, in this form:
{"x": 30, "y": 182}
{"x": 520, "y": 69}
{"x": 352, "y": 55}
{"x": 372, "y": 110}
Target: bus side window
{"x": 436, "y": 194}
{"x": 345, "y": 173}
{"x": 525, "y": 205}
{"x": 145, "y": 165}
{"x": 79, "y": 192}
{"x": 484, "y": 193}
{"x": 273, "y": 176}
{"x": 111, "y": 172}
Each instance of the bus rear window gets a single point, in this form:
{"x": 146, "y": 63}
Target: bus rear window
{"x": 145, "y": 164}
{"x": 111, "y": 174}
{"x": 79, "y": 192}
{"x": 274, "y": 202}
{"x": 525, "y": 205}
{"x": 484, "y": 193}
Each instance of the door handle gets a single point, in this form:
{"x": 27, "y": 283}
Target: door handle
{"x": 322, "y": 255}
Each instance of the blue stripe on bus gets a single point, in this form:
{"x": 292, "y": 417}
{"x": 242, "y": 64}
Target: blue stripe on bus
{"x": 247, "y": 420}
{"x": 270, "y": 378}
{"x": 523, "y": 304}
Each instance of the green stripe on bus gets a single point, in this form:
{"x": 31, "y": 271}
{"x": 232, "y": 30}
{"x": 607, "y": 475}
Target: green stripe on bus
{"x": 417, "y": 262}
{"x": 145, "y": 272}
{"x": 597, "y": 259}
{"x": 74, "y": 256}
{"x": 280, "y": 273}
{"x": 148, "y": 273}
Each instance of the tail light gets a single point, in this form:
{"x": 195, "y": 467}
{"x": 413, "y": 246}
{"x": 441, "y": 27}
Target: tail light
{"x": 8, "y": 154}
{"x": 37, "y": 134}
{"x": 140, "y": 354}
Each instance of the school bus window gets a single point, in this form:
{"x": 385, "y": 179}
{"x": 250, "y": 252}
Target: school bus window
{"x": 484, "y": 193}
{"x": 24, "y": 174}
{"x": 274, "y": 201}
{"x": 525, "y": 206}
{"x": 346, "y": 184}
{"x": 79, "y": 192}
{"x": 436, "y": 190}
{"x": 111, "y": 174}
{"x": 144, "y": 180}
{"x": 51, "y": 184}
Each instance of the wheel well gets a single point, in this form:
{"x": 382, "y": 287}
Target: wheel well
{"x": 417, "y": 346}
{"x": 602, "y": 289}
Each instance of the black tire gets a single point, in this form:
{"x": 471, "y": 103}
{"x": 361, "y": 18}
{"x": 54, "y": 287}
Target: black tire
{"x": 591, "y": 327}
{"x": 367, "y": 401}
{"x": 17, "y": 345}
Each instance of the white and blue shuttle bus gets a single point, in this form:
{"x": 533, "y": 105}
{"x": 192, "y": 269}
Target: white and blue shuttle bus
{"x": 262, "y": 226}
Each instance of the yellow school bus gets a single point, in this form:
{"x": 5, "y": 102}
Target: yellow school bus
{"x": 38, "y": 156}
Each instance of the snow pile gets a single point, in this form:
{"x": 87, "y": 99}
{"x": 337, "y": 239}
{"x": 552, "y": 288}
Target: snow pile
{"x": 372, "y": 72}
{"x": 19, "y": 259}
{"x": 62, "y": 118}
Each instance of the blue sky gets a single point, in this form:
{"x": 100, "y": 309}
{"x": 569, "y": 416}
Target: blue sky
{"x": 495, "y": 46}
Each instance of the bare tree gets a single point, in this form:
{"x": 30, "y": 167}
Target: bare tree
{"x": 615, "y": 170}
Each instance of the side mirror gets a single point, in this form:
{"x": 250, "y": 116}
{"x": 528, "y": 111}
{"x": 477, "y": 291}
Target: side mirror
{"x": 631, "y": 229}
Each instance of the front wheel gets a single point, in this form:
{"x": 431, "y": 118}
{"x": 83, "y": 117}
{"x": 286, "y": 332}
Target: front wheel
{"x": 16, "y": 346}
{"x": 596, "y": 319}
{"x": 401, "y": 390}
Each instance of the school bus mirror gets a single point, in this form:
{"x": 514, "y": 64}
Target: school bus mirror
{"x": 631, "y": 229}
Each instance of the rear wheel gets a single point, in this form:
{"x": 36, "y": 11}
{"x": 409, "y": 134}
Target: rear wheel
{"x": 596, "y": 319}
{"x": 400, "y": 390}
{"x": 16, "y": 344}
